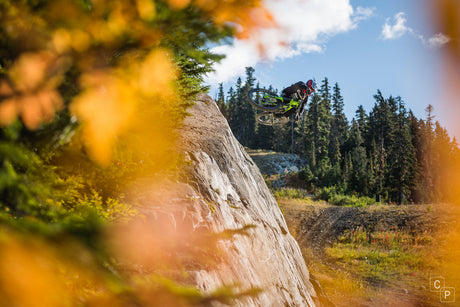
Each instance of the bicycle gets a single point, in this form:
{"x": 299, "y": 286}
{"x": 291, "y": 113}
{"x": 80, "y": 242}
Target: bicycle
{"x": 275, "y": 107}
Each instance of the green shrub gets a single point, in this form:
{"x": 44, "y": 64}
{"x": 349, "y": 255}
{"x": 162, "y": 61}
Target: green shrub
{"x": 326, "y": 193}
{"x": 290, "y": 193}
{"x": 335, "y": 197}
{"x": 351, "y": 201}
{"x": 306, "y": 174}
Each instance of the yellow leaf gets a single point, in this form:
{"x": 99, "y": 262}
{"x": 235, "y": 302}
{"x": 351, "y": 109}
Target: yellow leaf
{"x": 178, "y": 4}
{"x": 146, "y": 9}
{"x": 157, "y": 73}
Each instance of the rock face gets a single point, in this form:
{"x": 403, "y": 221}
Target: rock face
{"x": 224, "y": 190}
{"x": 271, "y": 163}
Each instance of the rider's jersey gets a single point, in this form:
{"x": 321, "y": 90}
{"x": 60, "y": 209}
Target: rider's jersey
{"x": 297, "y": 91}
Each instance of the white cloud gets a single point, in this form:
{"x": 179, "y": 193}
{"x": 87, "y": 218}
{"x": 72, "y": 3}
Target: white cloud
{"x": 437, "y": 40}
{"x": 238, "y": 56}
{"x": 399, "y": 28}
{"x": 363, "y": 13}
{"x": 302, "y": 27}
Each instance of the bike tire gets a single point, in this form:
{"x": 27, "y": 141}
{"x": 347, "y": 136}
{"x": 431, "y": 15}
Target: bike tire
{"x": 269, "y": 119}
{"x": 256, "y": 98}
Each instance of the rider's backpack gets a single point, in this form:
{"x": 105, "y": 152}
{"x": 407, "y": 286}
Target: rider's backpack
{"x": 298, "y": 88}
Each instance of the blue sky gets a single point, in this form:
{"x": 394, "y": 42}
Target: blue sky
{"x": 363, "y": 45}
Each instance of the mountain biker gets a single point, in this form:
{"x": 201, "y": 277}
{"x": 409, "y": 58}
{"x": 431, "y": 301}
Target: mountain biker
{"x": 299, "y": 91}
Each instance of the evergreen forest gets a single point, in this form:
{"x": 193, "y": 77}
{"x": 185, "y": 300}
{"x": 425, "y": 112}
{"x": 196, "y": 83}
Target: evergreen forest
{"x": 387, "y": 153}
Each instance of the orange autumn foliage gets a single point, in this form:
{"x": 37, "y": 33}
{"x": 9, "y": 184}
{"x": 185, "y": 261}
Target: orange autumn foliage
{"x": 111, "y": 102}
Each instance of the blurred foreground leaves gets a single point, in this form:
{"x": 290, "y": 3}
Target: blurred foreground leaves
{"x": 91, "y": 95}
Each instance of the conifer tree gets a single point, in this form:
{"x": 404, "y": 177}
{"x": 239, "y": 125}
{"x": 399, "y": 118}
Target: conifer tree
{"x": 401, "y": 155}
{"x": 221, "y": 101}
{"x": 358, "y": 172}
{"x": 325, "y": 92}
{"x": 425, "y": 156}
{"x": 231, "y": 106}
{"x": 264, "y": 135}
{"x": 339, "y": 127}
{"x": 247, "y": 110}
{"x": 323, "y": 129}
{"x": 312, "y": 130}
{"x": 417, "y": 189}
{"x": 242, "y": 113}
{"x": 234, "y": 104}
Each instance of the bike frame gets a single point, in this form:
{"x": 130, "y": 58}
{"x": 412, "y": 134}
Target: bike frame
{"x": 288, "y": 103}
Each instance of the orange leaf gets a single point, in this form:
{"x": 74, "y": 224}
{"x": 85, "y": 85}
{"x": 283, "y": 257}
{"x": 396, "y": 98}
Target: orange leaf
{"x": 178, "y": 4}
{"x": 8, "y": 111}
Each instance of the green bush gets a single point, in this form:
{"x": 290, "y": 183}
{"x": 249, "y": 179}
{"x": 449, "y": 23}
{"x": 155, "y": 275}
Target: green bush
{"x": 326, "y": 193}
{"x": 351, "y": 201}
{"x": 335, "y": 197}
{"x": 290, "y": 193}
{"x": 306, "y": 174}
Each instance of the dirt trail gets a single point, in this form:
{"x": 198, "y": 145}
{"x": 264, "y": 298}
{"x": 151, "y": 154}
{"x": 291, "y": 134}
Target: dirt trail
{"x": 324, "y": 225}
{"x": 319, "y": 226}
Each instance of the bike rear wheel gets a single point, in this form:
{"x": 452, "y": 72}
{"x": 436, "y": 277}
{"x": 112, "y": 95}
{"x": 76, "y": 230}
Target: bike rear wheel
{"x": 269, "y": 119}
{"x": 264, "y": 100}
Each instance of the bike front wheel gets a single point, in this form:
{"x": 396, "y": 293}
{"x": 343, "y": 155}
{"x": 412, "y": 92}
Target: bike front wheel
{"x": 269, "y": 119}
{"x": 264, "y": 100}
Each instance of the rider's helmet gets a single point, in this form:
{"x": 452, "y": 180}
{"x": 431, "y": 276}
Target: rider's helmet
{"x": 311, "y": 84}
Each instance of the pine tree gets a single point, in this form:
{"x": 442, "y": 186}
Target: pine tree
{"x": 339, "y": 127}
{"x": 323, "y": 122}
{"x": 325, "y": 92}
{"x": 358, "y": 170}
{"x": 425, "y": 156}
{"x": 247, "y": 110}
{"x": 242, "y": 113}
{"x": 317, "y": 137}
{"x": 312, "y": 131}
{"x": 401, "y": 155}
{"x": 221, "y": 101}
{"x": 234, "y": 104}
{"x": 417, "y": 189}
{"x": 231, "y": 106}
{"x": 378, "y": 133}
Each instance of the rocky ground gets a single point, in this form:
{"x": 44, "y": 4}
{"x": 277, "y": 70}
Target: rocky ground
{"x": 276, "y": 166}
{"x": 272, "y": 163}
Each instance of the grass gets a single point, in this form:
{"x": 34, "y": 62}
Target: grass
{"x": 334, "y": 197}
{"x": 386, "y": 260}
{"x": 329, "y": 195}
{"x": 382, "y": 267}
{"x": 364, "y": 267}
{"x": 340, "y": 285}
{"x": 290, "y": 193}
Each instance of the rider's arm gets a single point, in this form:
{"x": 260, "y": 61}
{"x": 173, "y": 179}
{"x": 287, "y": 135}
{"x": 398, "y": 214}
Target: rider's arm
{"x": 301, "y": 94}
{"x": 302, "y": 108}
